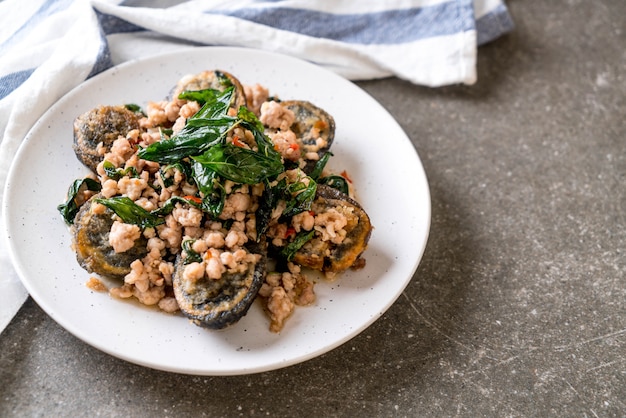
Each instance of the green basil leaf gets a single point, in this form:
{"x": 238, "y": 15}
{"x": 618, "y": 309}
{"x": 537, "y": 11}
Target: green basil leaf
{"x": 190, "y": 255}
{"x": 131, "y": 213}
{"x": 206, "y": 128}
{"x": 319, "y": 166}
{"x": 240, "y": 165}
{"x": 209, "y": 184}
{"x": 196, "y": 124}
{"x": 299, "y": 197}
{"x": 170, "y": 204}
{"x": 135, "y": 108}
{"x": 267, "y": 204}
{"x": 69, "y": 209}
{"x": 336, "y": 182}
{"x": 223, "y": 79}
{"x": 181, "y": 166}
{"x": 188, "y": 142}
{"x": 115, "y": 173}
{"x": 200, "y": 96}
{"x": 250, "y": 118}
{"x": 218, "y": 106}
{"x": 264, "y": 144}
{"x": 289, "y": 250}
{"x": 165, "y": 133}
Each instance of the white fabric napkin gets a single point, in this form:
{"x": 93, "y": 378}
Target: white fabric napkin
{"x": 50, "y": 46}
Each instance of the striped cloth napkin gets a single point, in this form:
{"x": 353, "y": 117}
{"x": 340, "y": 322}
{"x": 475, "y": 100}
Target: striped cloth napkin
{"x": 50, "y": 46}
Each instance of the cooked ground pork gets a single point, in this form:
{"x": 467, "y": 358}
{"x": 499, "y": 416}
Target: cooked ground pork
{"x": 218, "y": 245}
{"x": 96, "y": 284}
{"x": 123, "y": 236}
{"x": 275, "y": 116}
{"x": 283, "y": 291}
{"x": 286, "y": 143}
{"x": 256, "y": 95}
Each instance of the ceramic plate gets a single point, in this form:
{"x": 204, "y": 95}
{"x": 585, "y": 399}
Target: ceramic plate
{"x": 370, "y": 145}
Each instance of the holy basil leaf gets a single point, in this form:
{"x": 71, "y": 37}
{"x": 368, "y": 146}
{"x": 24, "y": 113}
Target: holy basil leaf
{"x": 131, "y": 213}
{"x": 69, "y": 209}
{"x": 198, "y": 123}
{"x": 211, "y": 187}
{"x": 336, "y": 182}
{"x": 239, "y": 164}
{"x": 216, "y": 107}
{"x": 214, "y": 203}
{"x": 264, "y": 145}
{"x": 170, "y": 204}
{"x": 267, "y": 204}
{"x": 289, "y": 250}
{"x": 319, "y": 166}
{"x": 204, "y": 177}
{"x": 299, "y": 197}
{"x": 193, "y": 141}
{"x": 135, "y": 108}
{"x": 190, "y": 255}
{"x": 250, "y": 122}
{"x": 115, "y": 173}
{"x": 206, "y": 128}
{"x": 165, "y": 133}
{"x": 180, "y": 166}
{"x": 210, "y": 94}
{"x": 248, "y": 116}
{"x": 200, "y": 96}
{"x": 223, "y": 78}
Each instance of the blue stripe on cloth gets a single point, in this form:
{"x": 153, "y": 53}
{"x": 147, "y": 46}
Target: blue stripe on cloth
{"x": 113, "y": 24}
{"x": 48, "y": 8}
{"x": 385, "y": 27}
{"x": 103, "y": 60}
{"x": 494, "y": 24}
{"x": 12, "y": 81}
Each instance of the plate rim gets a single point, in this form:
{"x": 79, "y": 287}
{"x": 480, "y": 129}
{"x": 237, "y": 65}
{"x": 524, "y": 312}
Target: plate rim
{"x": 33, "y": 291}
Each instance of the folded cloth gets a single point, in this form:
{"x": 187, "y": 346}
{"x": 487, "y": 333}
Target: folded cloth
{"x": 50, "y": 46}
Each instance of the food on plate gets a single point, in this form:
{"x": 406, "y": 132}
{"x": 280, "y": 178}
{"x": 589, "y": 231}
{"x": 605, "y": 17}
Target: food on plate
{"x": 344, "y": 236}
{"x": 217, "y": 80}
{"x": 213, "y": 303}
{"x": 97, "y": 249}
{"x": 212, "y": 199}
{"x": 311, "y": 128}
{"x": 96, "y": 130}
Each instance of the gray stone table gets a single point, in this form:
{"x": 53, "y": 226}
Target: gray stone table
{"x": 518, "y": 307}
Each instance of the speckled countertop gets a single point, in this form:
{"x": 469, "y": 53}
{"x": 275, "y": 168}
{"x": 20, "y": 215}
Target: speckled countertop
{"x": 518, "y": 307}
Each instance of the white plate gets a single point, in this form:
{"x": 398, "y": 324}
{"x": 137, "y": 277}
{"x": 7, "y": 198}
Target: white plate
{"x": 369, "y": 144}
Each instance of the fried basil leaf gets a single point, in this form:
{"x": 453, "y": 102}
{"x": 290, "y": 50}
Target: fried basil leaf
{"x": 319, "y": 166}
{"x": 181, "y": 166}
{"x": 289, "y": 250}
{"x": 299, "y": 197}
{"x": 239, "y": 164}
{"x": 212, "y": 189}
{"x": 131, "y": 213}
{"x": 267, "y": 204}
{"x": 206, "y": 128}
{"x": 193, "y": 140}
{"x": 190, "y": 255}
{"x": 115, "y": 173}
{"x": 135, "y": 108}
{"x": 336, "y": 182}
{"x": 69, "y": 209}
{"x": 200, "y": 96}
